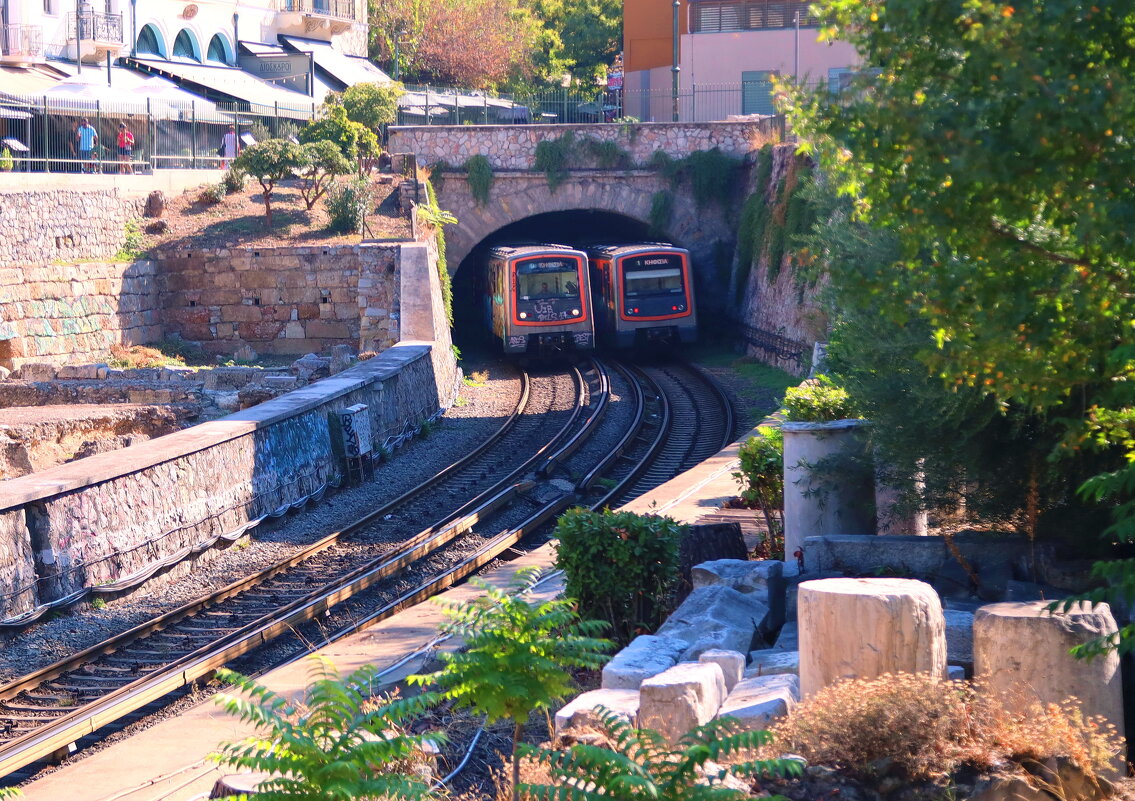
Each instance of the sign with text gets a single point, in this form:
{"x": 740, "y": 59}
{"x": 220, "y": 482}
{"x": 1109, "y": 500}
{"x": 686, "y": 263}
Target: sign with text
{"x": 292, "y": 70}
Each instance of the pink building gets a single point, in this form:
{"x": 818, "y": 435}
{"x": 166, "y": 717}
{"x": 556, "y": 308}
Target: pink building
{"x": 729, "y": 50}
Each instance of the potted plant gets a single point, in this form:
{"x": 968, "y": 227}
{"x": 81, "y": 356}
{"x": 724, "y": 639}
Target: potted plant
{"x": 828, "y": 481}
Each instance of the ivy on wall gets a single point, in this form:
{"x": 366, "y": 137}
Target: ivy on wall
{"x": 771, "y": 222}
{"x": 479, "y": 174}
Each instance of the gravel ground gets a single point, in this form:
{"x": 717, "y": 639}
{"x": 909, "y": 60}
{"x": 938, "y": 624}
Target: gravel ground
{"x": 478, "y": 414}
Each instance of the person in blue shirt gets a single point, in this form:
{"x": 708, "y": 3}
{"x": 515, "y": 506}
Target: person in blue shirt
{"x": 88, "y": 139}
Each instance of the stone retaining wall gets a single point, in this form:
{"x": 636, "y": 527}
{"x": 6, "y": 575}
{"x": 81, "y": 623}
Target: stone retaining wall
{"x": 289, "y": 300}
{"x": 513, "y": 147}
{"x": 116, "y": 515}
{"x": 69, "y": 312}
{"x": 37, "y": 227}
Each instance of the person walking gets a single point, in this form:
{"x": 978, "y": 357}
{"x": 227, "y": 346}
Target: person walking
{"x": 230, "y": 147}
{"x": 125, "y": 150}
{"x": 88, "y": 139}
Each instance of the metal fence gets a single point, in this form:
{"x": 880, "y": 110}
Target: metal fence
{"x": 427, "y": 105}
{"x": 42, "y": 133}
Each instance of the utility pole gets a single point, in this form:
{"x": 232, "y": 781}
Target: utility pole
{"x": 398, "y": 55}
{"x": 675, "y": 69}
{"x": 796, "y": 50}
{"x": 79, "y": 36}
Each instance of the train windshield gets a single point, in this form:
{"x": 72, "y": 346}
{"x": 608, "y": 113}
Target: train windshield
{"x": 546, "y": 278}
{"x": 652, "y": 275}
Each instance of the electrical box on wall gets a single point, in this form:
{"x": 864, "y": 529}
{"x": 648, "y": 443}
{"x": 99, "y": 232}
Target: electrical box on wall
{"x": 351, "y": 440}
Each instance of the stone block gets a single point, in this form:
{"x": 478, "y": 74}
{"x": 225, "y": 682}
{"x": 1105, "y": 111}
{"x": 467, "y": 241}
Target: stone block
{"x": 773, "y": 661}
{"x": 681, "y": 698}
{"x": 230, "y": 378}
{"x": 764, "y": 578}
{"x": 646, "y": 656}
{"x": 281, "y": 383}
{"x": 732, "y": 664}
{"x": 581, "y": 711}
{"x": 758, "y": 701}
{"x": 959, "y": 636}
{"x": 863, "y": 628}
{"x": 4, "y": 373}
{"x": 37, "y": 371}
{"x": 169, "y": 373}
{"x": 342, "y": 357}
{"x": 311, "y": 367}
{"x": 788, "y": 638}
{"x": 716, "y": 617}
{"x": 79, "y": 372}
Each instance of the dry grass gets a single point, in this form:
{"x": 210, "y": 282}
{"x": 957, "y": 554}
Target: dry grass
{"x": 139, "y": 356}
{"x": 929, "y": 728}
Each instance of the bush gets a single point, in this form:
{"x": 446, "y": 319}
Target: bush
{"x": 348, "y": 204}
{"x": 817, "y": 401}
{"x": 6, "y": 162}
{"x": 927, "y": 727}
{"x": 212, "y": 194}
{"x": 480, "y": 177}
{"x": 762, "y": 482}
{"x": 354, "y": 140}
{"x": 621, "y": 567}
{"x": 234, "y": 180}
{"x": 371, "y": 104}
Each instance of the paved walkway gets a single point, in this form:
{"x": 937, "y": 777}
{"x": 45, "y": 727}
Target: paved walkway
{"x": 168, "y": 762}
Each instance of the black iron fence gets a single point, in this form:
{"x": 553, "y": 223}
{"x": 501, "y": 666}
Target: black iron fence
{"x": 340, "y": 9}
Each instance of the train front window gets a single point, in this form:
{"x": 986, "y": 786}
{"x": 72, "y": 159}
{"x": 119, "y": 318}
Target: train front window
{"x": 547, "y": 279}
{"x": 652, "y": 275}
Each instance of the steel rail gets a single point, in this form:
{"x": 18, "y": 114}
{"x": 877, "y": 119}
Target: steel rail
{"x": 57, "y": 735}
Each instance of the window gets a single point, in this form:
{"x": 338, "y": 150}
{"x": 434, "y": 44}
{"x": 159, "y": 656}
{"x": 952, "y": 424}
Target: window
{"x": 49, "y": 7}
{"x": 149, "y": 41}
{"x": 716, "y": 16}
{"x": 217, "y": 50}
{"x": 185, "y": 46}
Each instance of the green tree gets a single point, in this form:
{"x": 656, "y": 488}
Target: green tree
{"x": 269, "y": 162}
{"x": 641, "y": 766}
{"x": 993, "y": 140}
{"x": 371, "y": 104}
{"x": 516, "y": 656}
{"x": 322, "y": 162}
{"x": 355, "y": 140}
{"x": 584, "y": 37}
{"x": 338, "y": 743}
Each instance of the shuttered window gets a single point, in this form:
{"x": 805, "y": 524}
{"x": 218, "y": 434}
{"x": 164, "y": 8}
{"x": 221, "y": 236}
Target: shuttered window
{"x": 716, "y": 16}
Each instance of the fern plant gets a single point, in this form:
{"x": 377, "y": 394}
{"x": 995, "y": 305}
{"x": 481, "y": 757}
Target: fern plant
{"x": 340, "y": 744}
{"x": 517, "y": 654}
{"x": 640, "y": 765}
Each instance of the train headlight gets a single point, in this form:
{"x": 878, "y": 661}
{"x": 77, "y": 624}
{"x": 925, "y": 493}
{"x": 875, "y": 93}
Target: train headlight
{"x": 524, "y": 315}
{"x": 575, "y": 312}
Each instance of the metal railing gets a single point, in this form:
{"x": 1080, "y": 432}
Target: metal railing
{"x": 21, "y": 40}
{"x": 43, "y": 133}
{"x": 95, "y": 26}
{"x": 339, "y": 9}
{"x": 749, "y": 15}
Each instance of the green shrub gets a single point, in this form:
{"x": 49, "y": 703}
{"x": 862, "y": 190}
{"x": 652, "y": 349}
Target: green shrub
{"x": 639, "y": 765}
{"x": 480, "y": 176}
{"x": 6, "y": 162}
{"x": 234, "y": 180}
{"x": 348, "y": 204}
{"x": 133, "y": 242}
{"x": 353, "y": 139}
{"x": 817, "y": 401}
{"x": 762, "y": 482}
{"x": 621, "y": 567}
{"x": 517, "y": 654}
{"x": 553, "y": 158}
{"x": 370, "y": 104}
{"x": 212, "y": 194}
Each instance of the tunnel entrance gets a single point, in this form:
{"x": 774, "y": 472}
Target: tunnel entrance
{"x": 580, "y": 229}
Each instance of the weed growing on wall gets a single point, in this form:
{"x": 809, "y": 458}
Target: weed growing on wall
{"x": 442, "y": 267}
{"x": 711, "y": 174}
{"x": 661, "y": 211}
{"x": 773, "y": 227}
{"x": 553, "y": 158}
{"x": 479, "y": 174}
{"x": 622, "y": 567}
{"x": 133, "y": 240}
{"x": 606, "y": 153}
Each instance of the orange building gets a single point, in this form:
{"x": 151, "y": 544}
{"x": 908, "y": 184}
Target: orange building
{"x": 728, "y": 52}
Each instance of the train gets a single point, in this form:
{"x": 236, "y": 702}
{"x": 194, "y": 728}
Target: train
{"x": 643, "y": 294}
{"x": 537, "y": 299}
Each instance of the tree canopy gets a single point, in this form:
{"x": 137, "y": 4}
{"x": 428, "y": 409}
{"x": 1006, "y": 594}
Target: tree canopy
{"x": 993, "y": 140}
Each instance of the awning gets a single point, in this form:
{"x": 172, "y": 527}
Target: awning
{"x": 229, "y": 84}
{"x": 27, "y": 82}
{"x": 126, "y": 91}
{"x": 346, "y": 70}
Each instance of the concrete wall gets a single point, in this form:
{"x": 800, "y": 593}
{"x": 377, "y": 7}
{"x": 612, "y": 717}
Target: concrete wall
{"x": 291, "y": 300}
{"x": 720, "y": 58}
{"x": 76, "y": 312}
{"x": 39, "y": 227}
{"x": 513, "y": 147}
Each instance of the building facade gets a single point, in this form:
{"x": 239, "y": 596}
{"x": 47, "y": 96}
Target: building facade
{"x": 729, "y": 50}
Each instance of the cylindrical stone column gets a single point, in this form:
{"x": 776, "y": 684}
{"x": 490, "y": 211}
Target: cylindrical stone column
{"x": 863, "y": 628}
{"x": 1022, "y": 651}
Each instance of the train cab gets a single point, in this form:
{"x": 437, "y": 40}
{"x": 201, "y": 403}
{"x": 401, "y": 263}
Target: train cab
{"x": 643, "y": 294}
{"x": 538, "y": 299}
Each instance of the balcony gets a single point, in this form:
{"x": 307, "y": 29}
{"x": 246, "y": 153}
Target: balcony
{"x": 314, "y": 17}
{"x": 21, "y": 44}
{"x": 100, "y": 34}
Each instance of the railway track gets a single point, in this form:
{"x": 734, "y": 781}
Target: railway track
{"x": 498, "y": 503}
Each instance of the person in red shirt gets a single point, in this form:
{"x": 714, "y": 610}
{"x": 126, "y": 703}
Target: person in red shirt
{"x": 125, "y": 150}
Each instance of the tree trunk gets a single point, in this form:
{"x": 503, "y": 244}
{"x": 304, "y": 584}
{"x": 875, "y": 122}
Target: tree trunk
{"x": 516, "y": 734}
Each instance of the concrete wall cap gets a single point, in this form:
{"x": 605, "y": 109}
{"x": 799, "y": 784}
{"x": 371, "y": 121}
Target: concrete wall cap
{"x": 792, "y": 427}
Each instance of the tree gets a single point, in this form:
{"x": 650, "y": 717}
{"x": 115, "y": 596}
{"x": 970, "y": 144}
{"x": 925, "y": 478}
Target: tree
{"x": 269, "y": 162}
{"x": 993, "y": 140}
{"x": 339, "y": 743}
{"x": 322, "y": 162}
{"x": 355, "y": 141}
{"x": 371, "y": 104}
{"x": 585, "y": 37}
{"x": 516, "y": 656}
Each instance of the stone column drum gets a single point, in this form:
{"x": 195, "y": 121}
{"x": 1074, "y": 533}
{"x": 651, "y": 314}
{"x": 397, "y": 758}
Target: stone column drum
{"x": 863, "y": 628}
{"x": 1023, "y": 651}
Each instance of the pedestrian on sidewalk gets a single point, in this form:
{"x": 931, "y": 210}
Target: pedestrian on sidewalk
{"x": 88, "y": 139}
{"x": 125, "y": 150}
